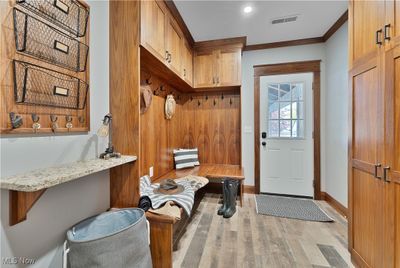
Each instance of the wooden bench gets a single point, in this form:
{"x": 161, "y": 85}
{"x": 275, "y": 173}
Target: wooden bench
{"x": 164, "y": 229}
{"x": 212, "y": 172}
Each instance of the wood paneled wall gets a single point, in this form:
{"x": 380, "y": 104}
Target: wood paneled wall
{"x": 210, "y": 122}
{"x": 159, "y": 136}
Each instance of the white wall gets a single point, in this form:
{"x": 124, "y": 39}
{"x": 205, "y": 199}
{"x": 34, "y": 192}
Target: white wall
{"x": 271, "y": 56}
{"x": 336, "y": 116}
{"x": 41, "y": 236}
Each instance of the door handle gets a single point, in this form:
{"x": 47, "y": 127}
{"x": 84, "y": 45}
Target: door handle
{"x": 376, "y": 171}
{"x": 386, "y": 32}
{"x": 377, "y": 37}
{"x": 166, "y": 55}
{"x": 385, "y": 174}
{"x": 170, "y": 57}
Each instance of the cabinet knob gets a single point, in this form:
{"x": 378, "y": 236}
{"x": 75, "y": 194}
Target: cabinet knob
{"x": 387, "y": 32}
{"x": 376, "y": 171}
{"x": 378, "y": 39}
{"x": 385, "y": 174}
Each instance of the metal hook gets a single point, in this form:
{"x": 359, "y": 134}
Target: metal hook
{"x": 215, "y": 102}
{"x": 198, "y": 103}
{"x": 222, "y": 96}
{"x": 53, "y": 118}
{"x": 161, "y": 88}
{"x": 148, "y": 82}
{"x": 35, "y": 118}
{"x": 81, "y": 119}
{"x": 16, "y": 120}
{"x": 191, "y": 98}
{"x": 68, "y": 118}
{"x": 206, "y": 97}
{"x": 230, "y": 101}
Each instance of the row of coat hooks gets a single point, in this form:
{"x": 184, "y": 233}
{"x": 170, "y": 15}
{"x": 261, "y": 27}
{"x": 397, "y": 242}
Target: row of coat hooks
{"x": 161, "y": 90}
{"x": 17, "y": 121}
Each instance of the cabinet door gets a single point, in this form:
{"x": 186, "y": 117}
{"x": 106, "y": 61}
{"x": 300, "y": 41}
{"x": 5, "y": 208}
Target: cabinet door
{"x": 187, "y": 66}
{"x": 153, "y": 16}
{"x": 366, "y": 19}
{"x": 174, "y": 42}
{"x": 392, "y": 102}
{"x": 392, "y": 21}
{"x": 367, "y": 193}
{"x": 229, "y": 67}
{"x": 204, "y": 69}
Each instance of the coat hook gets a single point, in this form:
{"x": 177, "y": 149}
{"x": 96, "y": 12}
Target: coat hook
{"x": 53, "y": 125}
{"x": 36, "y": 125}
{"x": 215, "y": 102}
{"x": 179, "y": 97}
{"x": 68, "y": 125}
{"x": 16, "y": 120}
{"x": 81, "y": 119}
{"x": 230, "y": 101}
{"x": 191, "y": 98}
{"x": 198, "y": 103}
{"x": 206, "y": 97}
{"x": 155, "y": 92}
{"x": 148, "y": 81}
{"x": 222, "y": 96}
{"x": 162, "y": 88}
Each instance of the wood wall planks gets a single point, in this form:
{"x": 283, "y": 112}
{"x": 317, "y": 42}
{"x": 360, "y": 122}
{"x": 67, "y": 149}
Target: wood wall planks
{"x": 212, "y": 125}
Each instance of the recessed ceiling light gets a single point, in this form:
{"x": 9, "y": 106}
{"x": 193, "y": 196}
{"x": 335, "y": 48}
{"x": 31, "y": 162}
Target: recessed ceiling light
{"x": 248, "y": 9}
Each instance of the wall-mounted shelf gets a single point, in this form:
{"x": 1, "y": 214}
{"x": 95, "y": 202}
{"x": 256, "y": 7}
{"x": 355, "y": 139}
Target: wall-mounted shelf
{"x": 26, "y": 189}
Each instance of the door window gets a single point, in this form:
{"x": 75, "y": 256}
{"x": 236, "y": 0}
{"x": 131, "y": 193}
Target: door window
{"x": 286, "y": 110}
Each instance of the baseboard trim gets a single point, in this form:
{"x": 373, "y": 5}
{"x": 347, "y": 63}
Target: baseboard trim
{"x": 334, "y": 203}
{"x": 249, "y": 189}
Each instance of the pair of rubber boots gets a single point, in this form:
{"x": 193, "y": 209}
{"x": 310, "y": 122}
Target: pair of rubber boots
{"x": 230, "y": 188}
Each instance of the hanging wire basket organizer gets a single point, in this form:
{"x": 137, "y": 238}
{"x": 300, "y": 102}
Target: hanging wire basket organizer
{"x": 70, "y": 15}
{"x": 40, "y": 40}
{"x": 36, "y": 85}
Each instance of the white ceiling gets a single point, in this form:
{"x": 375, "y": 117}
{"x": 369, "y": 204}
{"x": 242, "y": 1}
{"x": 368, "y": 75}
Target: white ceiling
{"x": 209, "y": 20}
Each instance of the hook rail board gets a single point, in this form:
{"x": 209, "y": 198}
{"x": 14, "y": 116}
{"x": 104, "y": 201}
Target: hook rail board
{"x": 44, "y": 67}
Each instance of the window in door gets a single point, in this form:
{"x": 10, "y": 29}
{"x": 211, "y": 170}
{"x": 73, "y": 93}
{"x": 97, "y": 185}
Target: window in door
{"x": 286, "y": 110}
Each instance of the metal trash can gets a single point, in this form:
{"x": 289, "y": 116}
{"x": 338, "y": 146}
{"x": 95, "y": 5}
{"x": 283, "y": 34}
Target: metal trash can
{"x": 116, "y": 239}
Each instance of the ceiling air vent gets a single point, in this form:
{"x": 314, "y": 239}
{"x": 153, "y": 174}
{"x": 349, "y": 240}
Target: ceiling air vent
{"x": 285, "y": 19}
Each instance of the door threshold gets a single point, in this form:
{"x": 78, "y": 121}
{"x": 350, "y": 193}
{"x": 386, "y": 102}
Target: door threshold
{"x": 289, "y": 195}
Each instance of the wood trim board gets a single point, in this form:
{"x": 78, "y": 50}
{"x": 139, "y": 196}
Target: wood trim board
{"x": 335, "y": 204}
{"x": 290, "y": 68}
{"x": 336, "y": 26}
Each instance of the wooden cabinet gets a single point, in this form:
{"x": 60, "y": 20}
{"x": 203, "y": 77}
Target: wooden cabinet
{"x": 374, "y": 157}
{"x": 204, "y": 69}
{"x": 217, "y": 68}
{"x": 187, "y": 64}
{"x": 153, "y": 28}
{"x": 174, "y": 42}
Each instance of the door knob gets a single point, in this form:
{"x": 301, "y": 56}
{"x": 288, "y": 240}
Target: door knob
{"x": 263, "y": 143}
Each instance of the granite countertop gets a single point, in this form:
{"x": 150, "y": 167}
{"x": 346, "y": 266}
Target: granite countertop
{"x": 48, "y": 177}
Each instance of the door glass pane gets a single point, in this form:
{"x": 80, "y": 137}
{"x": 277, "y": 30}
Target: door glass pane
{"x": 298, "y": 129}
{"x": 297, "y": 91}
{"x": 273, "y": 128}
{"x": 297, "y": 110}
{"x": 285, "y": 128}
{"x": 284, "y": 110}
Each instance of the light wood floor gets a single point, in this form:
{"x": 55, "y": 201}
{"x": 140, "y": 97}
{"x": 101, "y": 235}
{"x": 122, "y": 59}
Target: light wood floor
{"x": 251, "y": 240}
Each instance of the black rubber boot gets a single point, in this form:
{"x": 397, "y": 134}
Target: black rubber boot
{"x": 232, "y": 193}
{"x": 224, "y": 206}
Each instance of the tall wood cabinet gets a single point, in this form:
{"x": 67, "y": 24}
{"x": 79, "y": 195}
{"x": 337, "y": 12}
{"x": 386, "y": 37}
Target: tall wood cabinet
{"x": 374, "y": 149}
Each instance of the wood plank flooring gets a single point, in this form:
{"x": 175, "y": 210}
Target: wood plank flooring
{"x": 251, "y": 240}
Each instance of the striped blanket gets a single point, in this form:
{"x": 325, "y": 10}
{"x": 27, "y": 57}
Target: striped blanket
{"x": 184, "y": 199}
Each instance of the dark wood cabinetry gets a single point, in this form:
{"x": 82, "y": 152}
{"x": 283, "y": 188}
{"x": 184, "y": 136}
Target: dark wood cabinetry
{"x": 374, "y": 185}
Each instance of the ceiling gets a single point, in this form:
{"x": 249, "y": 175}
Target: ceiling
{"x": 209, "y": 20}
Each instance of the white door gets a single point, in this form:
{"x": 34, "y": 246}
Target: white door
{"x": 286, "y": 151}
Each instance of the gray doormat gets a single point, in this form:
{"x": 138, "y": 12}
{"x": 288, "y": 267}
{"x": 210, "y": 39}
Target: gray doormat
{"x": 287, "y": 207}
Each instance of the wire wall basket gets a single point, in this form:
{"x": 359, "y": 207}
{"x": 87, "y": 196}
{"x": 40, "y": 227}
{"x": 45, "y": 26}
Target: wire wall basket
{"x": 40, "y": 40}
{"x": 70, "y": 15}
{"x": 40, "y": 86}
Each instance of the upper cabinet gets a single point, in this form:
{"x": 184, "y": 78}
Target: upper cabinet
{"x": 210, "y": 65}
{"x": 187, "y": 63}
{"x": 153, "y": 28}
{"x": 217, "y": 67}
{"x": 174, "y": 43}
{"x": 373, "y": 27}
